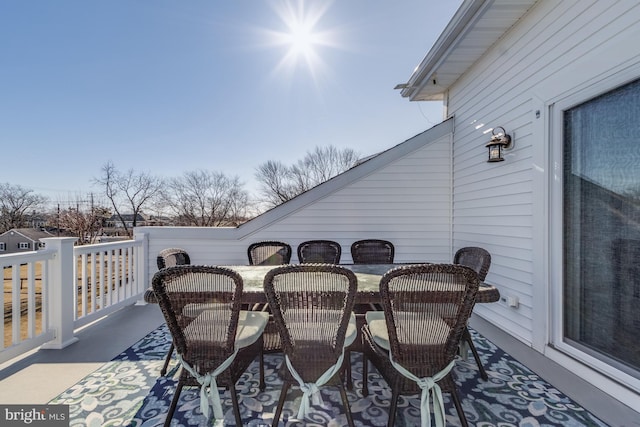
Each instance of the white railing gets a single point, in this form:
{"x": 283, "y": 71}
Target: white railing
{"x": 106, "y": 278}
{"x": 24, "y": 302}
{"x": 51, "y": 292}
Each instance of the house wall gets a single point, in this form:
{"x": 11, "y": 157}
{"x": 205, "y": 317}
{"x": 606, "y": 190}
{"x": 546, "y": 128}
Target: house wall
{"x": 407, "y": 201}
{"x": 557, "y": 50}
{"x": 12, "y": 242}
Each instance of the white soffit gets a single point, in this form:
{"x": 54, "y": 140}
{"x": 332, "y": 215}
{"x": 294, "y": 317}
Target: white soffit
{"x": 474, "y": 28}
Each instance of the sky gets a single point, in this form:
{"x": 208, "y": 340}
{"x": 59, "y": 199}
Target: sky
{"x": 171, "y": 86}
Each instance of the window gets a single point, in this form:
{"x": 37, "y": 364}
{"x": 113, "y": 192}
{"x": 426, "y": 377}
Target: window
{"x": 601, "y": 227}
{"x": 24, "y": 245}
{"x": 3, "y": 246}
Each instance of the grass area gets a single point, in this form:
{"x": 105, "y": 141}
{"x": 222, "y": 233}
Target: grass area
{"x": 8, "y": 302}
{"x": 101, "y": 273}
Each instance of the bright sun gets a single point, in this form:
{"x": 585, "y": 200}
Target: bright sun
{"x": 300, "y": 36}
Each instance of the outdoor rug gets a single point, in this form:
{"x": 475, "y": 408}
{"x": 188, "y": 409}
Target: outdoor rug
{"x": 128, "y": 391}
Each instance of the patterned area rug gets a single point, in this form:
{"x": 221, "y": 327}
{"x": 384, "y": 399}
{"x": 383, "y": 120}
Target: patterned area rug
{"x": 129, "y": 392}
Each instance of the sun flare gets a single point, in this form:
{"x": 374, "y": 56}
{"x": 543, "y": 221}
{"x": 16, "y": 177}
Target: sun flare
{"x": 301, "y": 38}
{"x": 301, "y": 35}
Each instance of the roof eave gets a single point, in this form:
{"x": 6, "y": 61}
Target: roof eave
{"x": 425, "y": 84}
{"x": 424, "y": 76}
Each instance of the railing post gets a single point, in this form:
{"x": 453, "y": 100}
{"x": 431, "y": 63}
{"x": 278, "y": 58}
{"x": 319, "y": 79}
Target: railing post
{"x": 142, "y": 266}
{"x": 61, "y": 292}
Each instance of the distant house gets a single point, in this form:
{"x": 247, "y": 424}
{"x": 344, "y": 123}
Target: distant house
{"x": 115, "y": 222}
{"x": 22, "y": 240}
{"x": 37, "y": 221}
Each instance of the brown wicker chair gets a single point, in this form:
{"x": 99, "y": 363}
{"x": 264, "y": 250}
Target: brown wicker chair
{"x": 169, "y": 257}
{"x": 426, "y": 308}
{"x": 479, "y": 260}
{"x": 319, "y": 251}
{"x": 269, "y": 253}
{"x": 369, "y": 251}
{"x": 312, "y": 307}
{"x": 212, "y": 336}
{"x": 372, "y": 251}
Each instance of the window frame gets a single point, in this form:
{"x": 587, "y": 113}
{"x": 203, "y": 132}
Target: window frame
{"x": 556, "y": 110}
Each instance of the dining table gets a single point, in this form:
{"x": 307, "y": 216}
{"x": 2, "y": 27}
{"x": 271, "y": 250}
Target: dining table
{"x": 368, "y": 276}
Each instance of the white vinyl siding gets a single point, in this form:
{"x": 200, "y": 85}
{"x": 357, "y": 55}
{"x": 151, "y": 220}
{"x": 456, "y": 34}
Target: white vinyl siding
{"x": 504, "y": 206}
{"x": 406, "y": 201}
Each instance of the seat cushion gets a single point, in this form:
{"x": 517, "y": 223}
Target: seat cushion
{"x": 378, "y": 328}
{"x": 302, "y": 335}
{"x": 251, "y": 324}
{"x": 380, "y": 334}
{"x": 352, "y": 331}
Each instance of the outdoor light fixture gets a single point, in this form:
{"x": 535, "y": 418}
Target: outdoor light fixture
{"x": 499, "y": 141}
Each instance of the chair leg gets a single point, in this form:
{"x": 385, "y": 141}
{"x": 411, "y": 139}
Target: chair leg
{"x": 174, "y": 403}
{"x": 365, "y": 375}
{"x": 262, "y": 382}
{"x": 349, "y": 380}
{"x": 236, "y": 406}
{"x": 393, "y": 408}
{"x": 458, "y": 405}
{"x": 466, "y": 335}
{"x": 167, "y": 359}
{"x": 283, "y": 396}
{"x": 347, "y": 407}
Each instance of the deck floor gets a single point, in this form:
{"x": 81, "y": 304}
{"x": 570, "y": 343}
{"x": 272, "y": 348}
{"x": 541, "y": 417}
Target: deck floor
{"x": 47, "y": 374}
{"x": 43, "y": 375}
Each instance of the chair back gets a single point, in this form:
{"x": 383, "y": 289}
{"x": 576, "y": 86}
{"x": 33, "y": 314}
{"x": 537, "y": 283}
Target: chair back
{"x": 426, "y": 308}
{"x": 478, "y": 259}
{"x": 269, "y": 253}
{"x": 171, "y": 257}
{"x": 319, "y": 251}
{"x": 201, "y": 307}
{"x": 372, "y": 251}
{"x": 311, "y": 306}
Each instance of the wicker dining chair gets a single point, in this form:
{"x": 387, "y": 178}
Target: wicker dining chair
{"x": 169, "y": 257}
{"x": 415, "y": 339}
{"x": 312, "y": 306}
{"x": 319, "y": 251}
{"x": 215, "y": 341}
{"x": 372, "y": 251}
{"x": 479, "y": 260}
{"x": 269, "y": 253}
{"x": 369, "y": 251}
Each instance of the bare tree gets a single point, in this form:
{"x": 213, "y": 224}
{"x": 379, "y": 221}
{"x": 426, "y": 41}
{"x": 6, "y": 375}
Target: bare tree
{"x": 276, "y": 182}
{"x": 129, "y": 191}
{"x": 206, "y": 199}
{"x": 279, "y": 183}
{"x": 86, "y": 224}
{"x": 15, "y": 201}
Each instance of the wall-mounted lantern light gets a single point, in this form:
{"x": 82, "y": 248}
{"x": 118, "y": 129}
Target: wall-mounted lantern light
{"x": 499, "y": 141}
